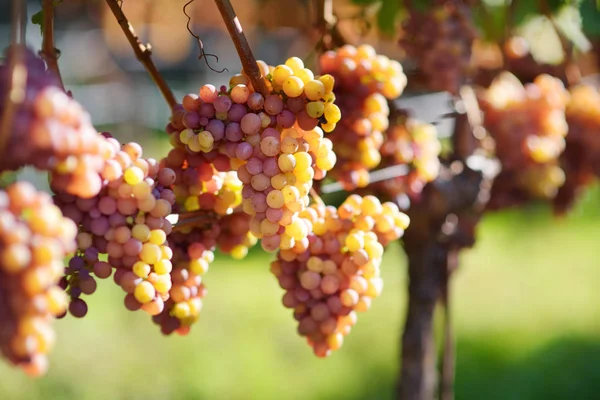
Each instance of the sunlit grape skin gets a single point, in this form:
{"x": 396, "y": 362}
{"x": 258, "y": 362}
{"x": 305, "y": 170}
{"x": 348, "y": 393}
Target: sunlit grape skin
{"x": 35, "y": 238}
{"x": 52, "y": 132}
{"x": 361, "y": 96}
{"x": 528, "y": 125}
{"x": 126, "y": 223}
{"x": 335, "y": 274}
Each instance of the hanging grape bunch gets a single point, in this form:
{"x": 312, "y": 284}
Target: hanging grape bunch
{"x": 581, "y": 158}
{"x": 336, "y": 274}
{"x": 528, "y": 126}
{"x": 414, "y": 144}
{"x": 440, "y": 40}
{"x": 273, "y": 142}
{"x": 127, "y": 222}
{"x": 364, "y": 83}
{"x": 213, "y": 219}
{"x": 51, "y": 131}
{"x": 34, "y": 240}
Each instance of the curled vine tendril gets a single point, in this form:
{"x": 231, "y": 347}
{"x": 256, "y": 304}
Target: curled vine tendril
{"x": 203, "y": 54}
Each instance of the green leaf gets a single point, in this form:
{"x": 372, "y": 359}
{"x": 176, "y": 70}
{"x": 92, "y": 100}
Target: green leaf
{"x": 590, "y": 17}
{"x": 38, "y": 19}
{"x": 491, "y": 21}
{"x": 366, "y": 2}
{"x": 524, "y": 9}
{"x": 387, "y": 16}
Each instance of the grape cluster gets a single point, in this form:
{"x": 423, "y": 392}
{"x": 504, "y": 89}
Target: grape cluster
{"x": 51, "y": 131}
{"x": 581, "y": 158}
{"x": 365, "y": 81}
{"x": 440, "y": 40}
{"x": 414, "y": 144}
{"x": 528, "y": 126}
{"x": 34, "y": 239}
{"x": 208, "y": 202}
{"x": 335, "y": 273}
{"x": 127, "y": 222}
{"x": 273, "y": 143}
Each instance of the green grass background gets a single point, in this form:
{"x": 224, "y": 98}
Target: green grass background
{"x": 526, "y": 303}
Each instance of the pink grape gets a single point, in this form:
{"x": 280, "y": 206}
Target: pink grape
{"x": 254, "y": 166}
{"x": 273, "y": 104}
{"x": 250, "y": 124}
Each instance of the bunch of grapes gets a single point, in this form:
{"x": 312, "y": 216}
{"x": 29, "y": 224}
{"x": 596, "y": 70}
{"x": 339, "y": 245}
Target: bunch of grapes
{"x": 34, "y": 239}
{"x": 272, "y": 142}
{"x": 365, "y": 81}
{"x": 127, "y": 221}
{"x": 416, "y": 145}
{"x": 335, "y": 273}
{"x": 208, "y": 202}
{"x": 51, "y": 131}
{"x": 528, "y": 126}
{"x": 581, "y": 158}
{"x": 440, "y": 42}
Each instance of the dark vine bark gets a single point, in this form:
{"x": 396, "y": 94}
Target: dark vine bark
{"x": 426, "y": 262}
{"x": 441, "y": 224}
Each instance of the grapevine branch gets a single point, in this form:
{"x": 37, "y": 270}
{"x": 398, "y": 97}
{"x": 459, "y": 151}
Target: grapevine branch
{"x": 142, "y": 52}
{"x": 326, "y": 24}
{"x": 18, "y": 73}
{"x": 242, "y": 46}
{"x": 49, "y": 53}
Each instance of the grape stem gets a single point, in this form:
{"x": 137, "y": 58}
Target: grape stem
{"x": 142, "y": 52}
{"x": 49, "y": 53}
{"x": 379, "y": 175}
{"x": 327, "y": 25}
{"x": 242, "y": 46}
{"x": 192, "y": 219}
{"x": 15, "y": 93}
{"x": 316, "y": 197}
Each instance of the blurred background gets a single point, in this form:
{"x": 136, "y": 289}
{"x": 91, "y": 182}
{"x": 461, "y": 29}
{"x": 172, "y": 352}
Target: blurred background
{"x": 525, "y": 301}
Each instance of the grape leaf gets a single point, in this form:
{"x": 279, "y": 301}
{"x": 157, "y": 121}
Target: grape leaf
{"x": 523, "y": 9}
{"x": 491, "y": 21}
{"x": 590, "y": 17}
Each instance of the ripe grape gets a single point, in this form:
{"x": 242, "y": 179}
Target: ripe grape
{"x": 440, "y": 40}
{"x": 529, "y": 127}
{"x": 333, "y": 273}
{"x": 581, "y": 158}
{"x": 51, "y": 131}
{"x": 126, "y": 225}
{"x": 416, "y": 145}
{"x": 35, "y": 237}
{"x": 365, "y": 81}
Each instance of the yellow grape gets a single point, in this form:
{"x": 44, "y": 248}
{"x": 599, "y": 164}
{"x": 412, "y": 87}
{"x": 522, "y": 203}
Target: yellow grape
{"x": 295, "y": 63}
{"x": 314, "y": 89}
{"x": 293, "y": 87}
{"x": 281, "y": 73}
{"x": 315, "y": 109}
